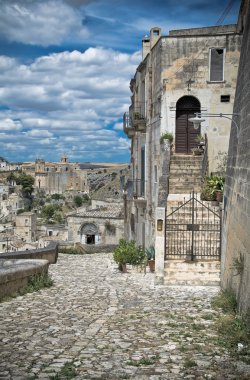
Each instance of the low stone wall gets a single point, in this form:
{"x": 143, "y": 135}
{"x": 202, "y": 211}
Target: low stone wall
{"x": 106, "y": 248}
{"x": 89, "y": 249}
{"x": 14, "y": 274}
{"x": 50, "y": 253}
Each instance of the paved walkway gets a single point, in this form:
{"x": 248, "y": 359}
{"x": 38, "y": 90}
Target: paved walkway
{"x": 110, "y": 326}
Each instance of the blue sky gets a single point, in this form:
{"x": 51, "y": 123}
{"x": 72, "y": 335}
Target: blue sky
{"x": 65, "y": 67}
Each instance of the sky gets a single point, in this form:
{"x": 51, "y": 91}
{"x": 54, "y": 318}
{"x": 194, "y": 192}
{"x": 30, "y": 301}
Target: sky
{"x": 65, "y": 68}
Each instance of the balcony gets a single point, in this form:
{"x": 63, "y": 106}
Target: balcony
{"x": 134, "y": 120}
{"x": 127, "y": 125}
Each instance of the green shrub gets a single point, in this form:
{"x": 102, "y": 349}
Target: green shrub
{"x": 213, "y": 184}
{"x": 37, "y": 282}
{"x": 71, "y": 251}
{"x": 226, "y": 301}
{"x": 128, "y": 252}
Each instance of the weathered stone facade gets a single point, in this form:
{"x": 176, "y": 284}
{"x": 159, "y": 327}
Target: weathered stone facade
{"x": 103, "y": 225}
{"x": 236, "y": 228}
{"x": 57, "y": 177}
{"x": 25, "y": 226}
{"x": 174, "y": 69}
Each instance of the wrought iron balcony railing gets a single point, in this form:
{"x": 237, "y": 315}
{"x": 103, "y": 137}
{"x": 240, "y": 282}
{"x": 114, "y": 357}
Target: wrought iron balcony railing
{"x": 135, "y": 119}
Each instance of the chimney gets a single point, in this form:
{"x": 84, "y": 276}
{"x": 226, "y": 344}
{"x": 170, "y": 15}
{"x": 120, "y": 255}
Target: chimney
{"x": 145, "y": 46}
{"x": 155, "y": 34}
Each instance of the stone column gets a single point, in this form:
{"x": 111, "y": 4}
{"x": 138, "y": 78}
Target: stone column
{"x": 159, "y": 245}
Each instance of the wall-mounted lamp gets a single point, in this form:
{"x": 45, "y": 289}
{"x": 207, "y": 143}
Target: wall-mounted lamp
{"x": 197, "y": 120}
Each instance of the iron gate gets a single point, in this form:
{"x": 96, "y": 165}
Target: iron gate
{"x": 193, "y": 232}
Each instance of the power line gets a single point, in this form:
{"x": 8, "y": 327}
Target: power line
{"x": 218, "y": 24}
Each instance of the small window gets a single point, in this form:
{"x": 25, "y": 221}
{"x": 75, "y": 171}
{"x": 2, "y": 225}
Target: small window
{"x": 225, "y": 98}
{"x": 216, "y": 65}
{"x": 50, "y": 233}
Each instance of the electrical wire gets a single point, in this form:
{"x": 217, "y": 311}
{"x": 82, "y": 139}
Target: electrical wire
{"x": 218, "y": 24}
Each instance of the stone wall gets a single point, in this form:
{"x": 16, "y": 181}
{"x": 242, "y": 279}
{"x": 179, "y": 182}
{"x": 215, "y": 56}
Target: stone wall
{"x": 236, "y": 227}
{"x": 15, "y": 274}
{"x": 50, "y": 253}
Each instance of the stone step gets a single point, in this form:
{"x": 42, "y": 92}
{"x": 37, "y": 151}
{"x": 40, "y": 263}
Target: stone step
{"x": 180, "y": 158}
{"x": 182, "y": 189}
{"x": 183, "y": 171}
{"x": 179, "y": 272}
{"x": 184, "y": 180}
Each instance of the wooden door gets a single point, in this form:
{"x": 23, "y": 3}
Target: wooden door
{"x": 185, "y": 136}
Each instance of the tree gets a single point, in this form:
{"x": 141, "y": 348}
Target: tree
{"x": 78, "y": 201}
{"x": 51, "y": 212}
{"x": 27, "y": 182}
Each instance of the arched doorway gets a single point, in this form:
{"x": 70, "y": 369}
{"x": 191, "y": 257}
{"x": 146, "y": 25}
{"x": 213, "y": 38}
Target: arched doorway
{"x": 89, "y": 234}
{"x": 185, "y": 134}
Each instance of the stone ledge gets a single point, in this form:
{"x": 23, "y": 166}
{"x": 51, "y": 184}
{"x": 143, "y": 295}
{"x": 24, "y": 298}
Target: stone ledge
{"x": 14, "y": 274}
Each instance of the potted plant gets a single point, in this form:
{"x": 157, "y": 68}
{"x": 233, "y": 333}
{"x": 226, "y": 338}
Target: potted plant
{"x": 200, "y": 140}
{"x": 213, "y": 189}
{"x": 166, "y": 136}
{"x": 127, "y": 252}
{"x": 198, "y": 151}
{"x": 217, "y": 185}
{"x": 150, "y": 252}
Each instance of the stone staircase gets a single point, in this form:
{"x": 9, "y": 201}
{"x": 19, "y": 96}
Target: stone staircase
{"x": 179, "y": 272}
{"x": 205, "y": 269}
{"x": 185, "y": 174}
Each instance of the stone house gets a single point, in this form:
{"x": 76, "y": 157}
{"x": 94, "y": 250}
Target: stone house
{"x": 236, "y": 225}
{"x": 51, "y": 232}
{"x": 102, "y": 225}
{"x": 25, "y": 226}
{"x": 188, "y": 71}
{"x": 57, "y": 177}
{"x": 10, "y": 202}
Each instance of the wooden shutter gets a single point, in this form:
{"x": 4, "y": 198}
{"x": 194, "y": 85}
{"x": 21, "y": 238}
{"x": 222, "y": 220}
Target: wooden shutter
{"x": 216, "y": 65}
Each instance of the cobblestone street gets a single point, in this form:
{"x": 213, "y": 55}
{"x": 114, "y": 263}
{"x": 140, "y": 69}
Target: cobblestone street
{"x": 110, "y": 325}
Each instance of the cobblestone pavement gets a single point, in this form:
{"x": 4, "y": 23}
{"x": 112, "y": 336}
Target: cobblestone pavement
{"x": 110, "y": 325}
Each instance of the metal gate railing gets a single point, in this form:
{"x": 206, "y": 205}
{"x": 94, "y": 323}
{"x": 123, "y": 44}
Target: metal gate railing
{"x": 193, "y": 232}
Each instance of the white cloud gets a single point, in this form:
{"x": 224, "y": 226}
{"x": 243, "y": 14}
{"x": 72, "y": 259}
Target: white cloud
{"x": 39, "y": 133}
{"x": 44, "y": 23}
{"x": 118, "y": 126}
{"x": 69, "y": 101}
{"x": 8, "y": 124}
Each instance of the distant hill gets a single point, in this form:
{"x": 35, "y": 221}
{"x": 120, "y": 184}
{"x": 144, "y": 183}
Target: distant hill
{"x": 104, "y": 183}
{"x": 102, "y": 165}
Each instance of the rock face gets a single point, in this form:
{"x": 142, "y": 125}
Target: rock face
{"x": 105, "y": 183}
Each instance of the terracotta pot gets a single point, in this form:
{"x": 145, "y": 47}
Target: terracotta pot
{"x": 151, "y": 264}
{"x": 219, "y": 196}
{"x": 124, "y": 268}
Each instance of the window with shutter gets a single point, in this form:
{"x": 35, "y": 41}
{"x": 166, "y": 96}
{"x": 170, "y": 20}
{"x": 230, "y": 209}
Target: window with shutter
{"x": 216, "y": 65}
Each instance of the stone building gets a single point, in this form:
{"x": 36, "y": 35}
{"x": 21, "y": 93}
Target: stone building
{"x": 25, "y": 226}
{"x": 10, "y": 202}
{"x": 102, "y": 225}
{"x": 57, "y": 177}
{"x": 188, "y": 71}
{"x": 236, "y": 227}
